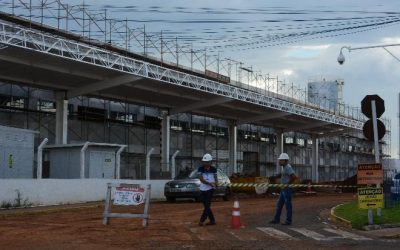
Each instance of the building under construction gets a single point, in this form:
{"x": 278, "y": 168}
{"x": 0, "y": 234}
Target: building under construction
{"x": 72, "y": 90}
{"x": 139, "y": 127}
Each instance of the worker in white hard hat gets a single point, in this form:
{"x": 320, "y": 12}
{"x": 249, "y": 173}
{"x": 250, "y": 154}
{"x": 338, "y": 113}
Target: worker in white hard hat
{"x": 287, "y": 176}
{"x": 208, "y": 178}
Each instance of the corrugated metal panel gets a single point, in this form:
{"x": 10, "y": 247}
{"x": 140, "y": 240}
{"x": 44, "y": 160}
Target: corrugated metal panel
{"x": 16, "y": 152}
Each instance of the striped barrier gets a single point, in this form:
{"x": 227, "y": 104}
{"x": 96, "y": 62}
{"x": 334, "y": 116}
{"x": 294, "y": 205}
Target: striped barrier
{"x": 284, "y": 185}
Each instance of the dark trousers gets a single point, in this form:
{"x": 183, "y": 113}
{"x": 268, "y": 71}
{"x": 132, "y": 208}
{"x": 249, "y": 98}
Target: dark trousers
{"x": 206, "y": 197}
{"x": 285, "y": 198}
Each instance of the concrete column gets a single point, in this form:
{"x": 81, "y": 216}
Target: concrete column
{"x": 314, "y": 159}
{"x": 61, "y": 118}
{"x": 279, "y": 147}
{"x": 233, "y": 146}
{"x": 165, "y": 141}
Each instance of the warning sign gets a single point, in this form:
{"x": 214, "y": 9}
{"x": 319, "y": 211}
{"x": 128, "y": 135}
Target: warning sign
{"x": 128, "y": 196}
{"x": 370, "y": 174}
{"x": 370, "y": 198}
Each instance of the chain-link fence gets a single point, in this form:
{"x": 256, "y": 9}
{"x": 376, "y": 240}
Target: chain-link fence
{"x": 391, "y": 188}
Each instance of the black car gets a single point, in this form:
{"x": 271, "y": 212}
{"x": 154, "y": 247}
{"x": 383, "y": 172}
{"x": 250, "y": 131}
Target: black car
{"x": 187, "y": 184}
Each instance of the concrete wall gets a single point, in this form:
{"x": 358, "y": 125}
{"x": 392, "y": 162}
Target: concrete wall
{"x": 63, "y": 191}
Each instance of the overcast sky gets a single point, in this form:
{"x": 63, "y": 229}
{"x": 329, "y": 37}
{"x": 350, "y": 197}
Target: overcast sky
{"x": 246, "y": 30}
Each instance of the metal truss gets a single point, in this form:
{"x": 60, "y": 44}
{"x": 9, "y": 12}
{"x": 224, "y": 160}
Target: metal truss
{"x": 30, "y": 39}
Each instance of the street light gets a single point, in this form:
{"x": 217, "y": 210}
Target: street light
{"x": 341, "y": 59}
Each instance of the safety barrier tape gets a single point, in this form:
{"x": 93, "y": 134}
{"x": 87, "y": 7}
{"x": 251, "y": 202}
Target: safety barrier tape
{"x": 237, "y": 184}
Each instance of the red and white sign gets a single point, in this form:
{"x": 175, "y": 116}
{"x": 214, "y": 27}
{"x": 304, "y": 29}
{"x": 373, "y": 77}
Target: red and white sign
{"x": 128, "y": 196}
{"x": 370, "y": 173}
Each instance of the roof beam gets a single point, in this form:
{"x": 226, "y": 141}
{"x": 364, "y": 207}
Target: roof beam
{"x": 101, "y": 85}
{"x": 47, "y": 66}
{"x": 167, "y": 92}
{"x": 263, "y": 117}
{"x": 33, "y": 82}
{"x": 337, "y": 132}
{"x": 314, "y": 124}
{"x": 200, "y": 105}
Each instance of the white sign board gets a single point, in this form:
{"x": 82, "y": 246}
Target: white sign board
{"x": 128, "y": 196}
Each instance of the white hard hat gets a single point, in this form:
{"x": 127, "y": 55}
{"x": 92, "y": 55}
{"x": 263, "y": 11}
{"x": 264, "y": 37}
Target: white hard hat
{"x": 207, "y": 157}
{"x": 283, "y": 156}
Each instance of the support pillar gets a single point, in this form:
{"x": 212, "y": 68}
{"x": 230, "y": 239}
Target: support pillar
{"x": 233, "y": 146}
{"x": 279, "y": 148}
{"x": 165, "y": 141}
{"x": 314, "y": 159}
{"x": 61, "y": 118}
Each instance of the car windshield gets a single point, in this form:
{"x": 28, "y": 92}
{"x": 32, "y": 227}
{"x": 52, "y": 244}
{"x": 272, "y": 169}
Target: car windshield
{"x": 187, "y": 174}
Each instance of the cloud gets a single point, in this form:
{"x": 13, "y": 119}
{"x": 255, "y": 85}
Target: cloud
{"x": 287, "y": 72}
{"x": 391, "y": 40}
{"x": 307, "y": 51}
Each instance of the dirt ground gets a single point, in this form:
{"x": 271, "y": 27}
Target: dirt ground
{"x": 172, "y": 225}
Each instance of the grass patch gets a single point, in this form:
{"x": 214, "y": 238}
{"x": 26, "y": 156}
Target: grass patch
{"x": 359, "y": 217}
{"x": 19, "y": 201}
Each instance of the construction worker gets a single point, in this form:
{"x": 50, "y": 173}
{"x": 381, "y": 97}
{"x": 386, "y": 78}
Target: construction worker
{"x": 208, "y": 178}
{"x": 287, "y": 176}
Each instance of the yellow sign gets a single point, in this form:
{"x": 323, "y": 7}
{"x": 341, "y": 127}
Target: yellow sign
{"x": 369, "y": 174}
{"x": 370, "y": 198}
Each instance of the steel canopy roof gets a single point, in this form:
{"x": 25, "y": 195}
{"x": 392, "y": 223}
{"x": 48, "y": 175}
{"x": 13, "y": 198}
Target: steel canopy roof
{"x": 35, "y": 67}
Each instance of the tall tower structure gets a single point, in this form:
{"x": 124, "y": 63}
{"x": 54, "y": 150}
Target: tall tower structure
{"x": 326, "y": 92}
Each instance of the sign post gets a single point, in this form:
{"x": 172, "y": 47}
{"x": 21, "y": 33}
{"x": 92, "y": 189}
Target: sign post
{"x": 376, "y": 142}
{"x": 373, "y": 107}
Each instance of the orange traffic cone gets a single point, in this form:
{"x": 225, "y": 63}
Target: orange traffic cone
{"x": 235, "y": 221}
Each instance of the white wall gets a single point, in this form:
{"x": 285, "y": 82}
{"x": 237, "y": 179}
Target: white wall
{"x": 63, "y": 191}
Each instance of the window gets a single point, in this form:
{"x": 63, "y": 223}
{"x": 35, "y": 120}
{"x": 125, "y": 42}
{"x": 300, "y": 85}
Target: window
{"x": 122, "y": 116}
{"x": 89, "y": 113}
{"x": 47, "y": 106}
{"x": 300, "y": 141}
{"x": 12, "y": 101}
{"x": 289, "y": 140}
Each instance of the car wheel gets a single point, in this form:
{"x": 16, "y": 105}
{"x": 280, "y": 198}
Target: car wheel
{"x": 170, "y": 199}
{"x": 227, "y": 195}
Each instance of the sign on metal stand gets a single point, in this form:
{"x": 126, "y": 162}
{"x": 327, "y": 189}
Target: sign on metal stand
{"x": 373, "y": 107}
{"x": 127, "y": 194}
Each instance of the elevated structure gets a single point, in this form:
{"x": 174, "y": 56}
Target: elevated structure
{"x": 76, "y": 69}
{"x": 72, "y": 67}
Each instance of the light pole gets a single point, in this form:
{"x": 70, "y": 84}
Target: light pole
{"x": 341, "y": 58}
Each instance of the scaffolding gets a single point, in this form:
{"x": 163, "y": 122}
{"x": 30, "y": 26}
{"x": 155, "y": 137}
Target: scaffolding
{"x": 138, "y": 127}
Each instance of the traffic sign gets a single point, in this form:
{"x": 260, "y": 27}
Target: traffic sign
{"x": 370, "y": 198}
{"x": 366, "y": 107}
{"x": 368, "y": 129}
{"x": 370, "y": 173}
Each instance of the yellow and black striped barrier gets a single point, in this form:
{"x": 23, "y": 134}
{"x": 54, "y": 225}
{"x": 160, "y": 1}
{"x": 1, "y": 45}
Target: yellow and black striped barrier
{"x": 285, "y": 185}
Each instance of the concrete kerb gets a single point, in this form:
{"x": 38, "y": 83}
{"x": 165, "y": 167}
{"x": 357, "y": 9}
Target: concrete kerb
{"x": 339, "y": 219}
{"x": 380, "y": 231}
